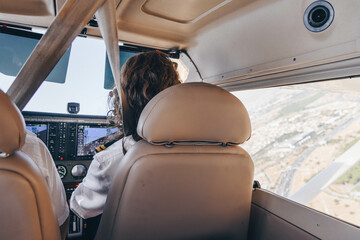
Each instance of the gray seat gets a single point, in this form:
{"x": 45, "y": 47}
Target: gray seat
{"x": 25, "y": 207}
{"x": 187, "y": 178}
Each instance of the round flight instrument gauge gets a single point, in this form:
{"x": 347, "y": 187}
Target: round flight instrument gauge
{"x": 61, "y": 170}
{"x": 78, "y": 171}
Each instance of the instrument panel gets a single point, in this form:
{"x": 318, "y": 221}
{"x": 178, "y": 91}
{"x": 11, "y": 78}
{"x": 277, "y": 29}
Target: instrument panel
{"x": 71, "y": 140}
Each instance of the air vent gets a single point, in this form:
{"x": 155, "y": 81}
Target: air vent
{"x": 318, "y": 16}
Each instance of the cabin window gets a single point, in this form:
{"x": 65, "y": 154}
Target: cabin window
{"x": 306, "y": 144}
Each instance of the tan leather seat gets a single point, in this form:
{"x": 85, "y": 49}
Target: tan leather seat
{"x": 25, "y": 207}
{"x": 187, "y": 179}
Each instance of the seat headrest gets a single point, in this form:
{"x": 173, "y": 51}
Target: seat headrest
{"x": 12, "y": 126}
{"x": 194, "y": 113}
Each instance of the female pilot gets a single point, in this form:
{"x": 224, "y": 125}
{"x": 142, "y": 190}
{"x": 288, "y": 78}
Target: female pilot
{"x": 143, "y": 76}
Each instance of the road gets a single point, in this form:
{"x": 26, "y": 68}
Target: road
{"x": 287, "y": 177}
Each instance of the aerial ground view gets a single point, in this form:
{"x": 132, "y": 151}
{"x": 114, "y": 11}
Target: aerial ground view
{"x": 298, "y": 131}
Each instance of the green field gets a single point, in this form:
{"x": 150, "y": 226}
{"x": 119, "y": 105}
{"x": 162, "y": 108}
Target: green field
{"x": 299, "y": 105}
{"x": 352, "y": 176}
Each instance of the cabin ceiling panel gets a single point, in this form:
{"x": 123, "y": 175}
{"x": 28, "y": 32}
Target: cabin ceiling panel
{"x": 173, "y": 21}
{"x": 28, "y": 7}
{"x": 181, "y": 11}
{"x": 269, "y": 36}
{"x": 23, "y": 20}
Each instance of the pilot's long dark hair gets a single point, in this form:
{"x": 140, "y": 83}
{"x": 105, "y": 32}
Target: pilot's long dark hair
{"x": 144, "y": 76}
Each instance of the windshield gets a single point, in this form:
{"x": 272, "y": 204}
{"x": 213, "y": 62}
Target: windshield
{"x": 84, "y": 82}
{"x": 82, "y": 76}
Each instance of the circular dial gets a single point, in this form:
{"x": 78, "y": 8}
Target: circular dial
{"x": 61, "y": 170}
{"x": 78, "y": 171}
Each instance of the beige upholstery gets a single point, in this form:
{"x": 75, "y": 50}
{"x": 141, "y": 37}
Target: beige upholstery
{"x": 188, "y": 112}
{"x": 189, "y": 190}
{"x": 12, "y": 126}
{"x": 25, "y": 207}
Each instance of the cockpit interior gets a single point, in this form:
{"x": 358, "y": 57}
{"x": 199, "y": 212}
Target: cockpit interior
{"x": 200, "y": 170}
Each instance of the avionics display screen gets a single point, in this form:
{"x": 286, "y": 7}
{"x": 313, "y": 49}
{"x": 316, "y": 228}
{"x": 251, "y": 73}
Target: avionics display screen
{"x": 39, "y": 129}
{"x": 90, "y": 137}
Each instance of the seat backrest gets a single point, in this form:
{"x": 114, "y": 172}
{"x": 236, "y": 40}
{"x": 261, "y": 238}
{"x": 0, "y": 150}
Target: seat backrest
{"x": 187, "y": 178}
{"x": 25, "y": 207}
